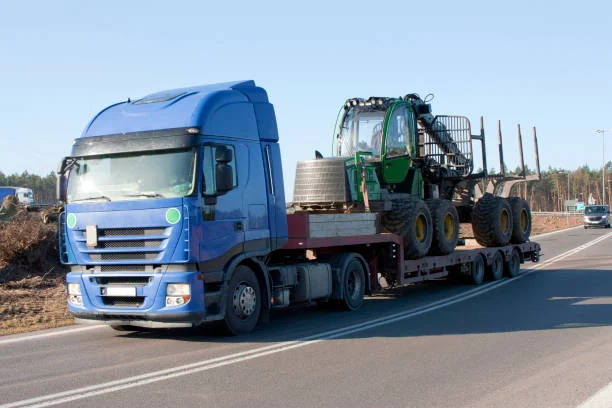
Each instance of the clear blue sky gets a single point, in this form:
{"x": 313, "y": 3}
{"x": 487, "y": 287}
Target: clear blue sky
{"x": 534, "y": 63}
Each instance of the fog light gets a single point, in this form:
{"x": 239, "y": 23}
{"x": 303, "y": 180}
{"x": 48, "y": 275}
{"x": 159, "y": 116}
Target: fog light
{"x": 75, "y": 300}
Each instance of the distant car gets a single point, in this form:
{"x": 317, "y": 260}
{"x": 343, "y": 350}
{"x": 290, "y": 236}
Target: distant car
{"x": 597, "y": 216}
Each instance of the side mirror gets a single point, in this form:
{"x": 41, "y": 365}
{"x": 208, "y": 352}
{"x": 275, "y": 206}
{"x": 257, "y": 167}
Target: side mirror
{"x": 60, "y": 182}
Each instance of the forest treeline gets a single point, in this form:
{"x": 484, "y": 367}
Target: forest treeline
{"x": 547, "y": 194}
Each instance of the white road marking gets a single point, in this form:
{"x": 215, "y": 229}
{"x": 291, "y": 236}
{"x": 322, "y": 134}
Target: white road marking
{"x": 50, "y": 334}
{"x": 601, "y": 399}
{"x": 209, "y": 364}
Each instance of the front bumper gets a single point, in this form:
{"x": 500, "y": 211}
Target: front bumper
{"x": 145, "y": 306}
{"x": 596, "y": 222}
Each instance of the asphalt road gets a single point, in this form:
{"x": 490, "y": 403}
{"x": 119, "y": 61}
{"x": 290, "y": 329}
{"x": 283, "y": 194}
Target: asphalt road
{"x": 543, "y": 339}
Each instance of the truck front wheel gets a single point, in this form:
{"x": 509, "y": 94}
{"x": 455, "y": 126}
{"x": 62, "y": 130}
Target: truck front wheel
{"x": 242, "y": 302}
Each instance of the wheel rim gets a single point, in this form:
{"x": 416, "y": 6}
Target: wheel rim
{"x": 523, "y": 221}
{"x": 353, "y": 283}
{"x": 244, "y": 300}
{"x": 449, "y": 227}
{"x": 505, "y": 221}
{"x": 421, "y": 226}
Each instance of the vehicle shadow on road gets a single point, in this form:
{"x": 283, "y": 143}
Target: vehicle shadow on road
{"x": 546, "y": 300}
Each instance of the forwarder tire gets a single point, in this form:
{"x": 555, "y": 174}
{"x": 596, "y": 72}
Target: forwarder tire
{"x": 445, "y": 221}
{"x": 411, "y": 220}
{"x": 242, "y": 302}
{"x": 492, "y": 223}
{"x": 521, "y": 220}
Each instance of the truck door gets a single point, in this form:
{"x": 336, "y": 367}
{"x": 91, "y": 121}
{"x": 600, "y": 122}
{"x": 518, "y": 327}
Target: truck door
{"x": 223, "y": 214}
{"x": 399, "y": 142}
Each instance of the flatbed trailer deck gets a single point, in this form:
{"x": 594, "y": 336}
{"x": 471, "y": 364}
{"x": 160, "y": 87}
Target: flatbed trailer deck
{"x": 384, "y": 253}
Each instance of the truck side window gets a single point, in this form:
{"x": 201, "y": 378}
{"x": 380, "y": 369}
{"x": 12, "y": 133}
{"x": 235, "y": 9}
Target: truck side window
{"x": 211, "y": 166}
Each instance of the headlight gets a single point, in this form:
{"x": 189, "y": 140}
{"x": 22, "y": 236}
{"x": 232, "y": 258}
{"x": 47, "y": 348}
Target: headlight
{"x": 177, "y": 294}
{"x": 74, "y": 294}
{"x": 74, "y": 289}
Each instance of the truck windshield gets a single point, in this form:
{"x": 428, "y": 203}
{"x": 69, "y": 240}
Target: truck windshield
{"x": 361, "y": 130}
{"x": 132, "y": 176}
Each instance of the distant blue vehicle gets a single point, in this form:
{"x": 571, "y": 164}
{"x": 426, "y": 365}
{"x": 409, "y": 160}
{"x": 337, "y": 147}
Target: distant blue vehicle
{"x": 24, "y": 195}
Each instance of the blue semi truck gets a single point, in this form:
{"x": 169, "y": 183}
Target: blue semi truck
{"x": 175, "y": 215}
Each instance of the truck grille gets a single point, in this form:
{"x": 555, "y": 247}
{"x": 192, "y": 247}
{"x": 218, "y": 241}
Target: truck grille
{"x": 117, "y": 301}
{"x": 123, "y": 280}
{"x": 124, "y": 244}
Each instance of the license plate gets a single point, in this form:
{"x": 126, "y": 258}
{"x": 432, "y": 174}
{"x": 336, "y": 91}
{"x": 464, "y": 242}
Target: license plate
{"x": 124, "y": 291}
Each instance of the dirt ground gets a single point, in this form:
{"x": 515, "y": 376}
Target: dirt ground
{"x": 32, "y": 281}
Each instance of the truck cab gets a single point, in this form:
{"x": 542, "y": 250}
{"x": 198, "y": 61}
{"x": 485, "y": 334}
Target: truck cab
{"x": 164, "y": 196}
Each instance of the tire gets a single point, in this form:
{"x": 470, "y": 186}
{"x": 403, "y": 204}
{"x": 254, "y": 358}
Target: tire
{"x": 411, "y": 220}
{"x": 445, "y": 223}
{"x": 496, "y": 269}
{"x": 492, "y": 223}
{"x": 353, "y": 286}
{"x": 521, "y": 220}
{"x": 477, "y": 270}
{"x": 242, "y": 302}
{"x": 512, "y": 268}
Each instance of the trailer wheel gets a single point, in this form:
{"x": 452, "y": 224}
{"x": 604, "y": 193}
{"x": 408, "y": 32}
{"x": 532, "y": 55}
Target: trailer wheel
{"x": 521, "y": 220}
{"x": 513, "y": 266}
{"x": 492, "y": 223}
{"x": 496, "y": 269}
{"x": 411, "y": 220}
{"x": 243, "y": 302}
{"x": 477, "y": 270}
{"x": 445, "y": 221}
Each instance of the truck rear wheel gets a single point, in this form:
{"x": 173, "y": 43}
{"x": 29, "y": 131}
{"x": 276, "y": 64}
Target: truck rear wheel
{"x": 521, "y": 220}
{"x": 353, "y": 285}
{"x": 496, "y": 269}
{"x": 477, "y": 270}
{"x": 492, "y": 223}
{"x": 445, "y": 222}
{"x": 411, "y": 220}
{"x": 242, "y": 302}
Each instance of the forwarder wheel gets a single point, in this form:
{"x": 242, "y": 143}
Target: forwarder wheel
{"x": 411, "y": 220}
{"x": 242, "y": 302}
{"x": 513, "y": 267}
{"x": 353, "y": 286}
{"x": 496, "y": 269}
{"x": 521, "y": 220}
{"x": 477, "y": 270}
{"x": 445, "y": 221}
{"x": 492, "y": 223}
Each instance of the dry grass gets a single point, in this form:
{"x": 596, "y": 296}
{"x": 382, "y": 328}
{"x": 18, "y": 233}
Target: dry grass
{"x": 32, "y": 281}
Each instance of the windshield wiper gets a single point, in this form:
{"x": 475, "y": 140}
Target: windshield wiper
{"x": 152, "y": 194}
{"x": 98, "y": 197}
